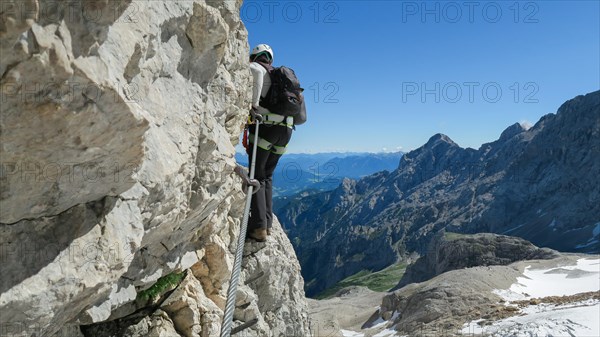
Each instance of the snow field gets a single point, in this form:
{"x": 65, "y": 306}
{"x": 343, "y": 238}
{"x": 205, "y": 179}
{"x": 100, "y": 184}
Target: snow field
{"x": 572, "y": 319}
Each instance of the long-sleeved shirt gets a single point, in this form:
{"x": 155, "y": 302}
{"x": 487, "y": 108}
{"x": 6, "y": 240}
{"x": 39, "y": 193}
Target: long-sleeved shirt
{"x": 260, "y": 87}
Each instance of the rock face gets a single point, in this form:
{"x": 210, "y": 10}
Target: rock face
{"x": 270, "y": 291}
{"x": 118, "y": 125}
{"x": 446, "y": 302}
{"x": 539, "y": 184}
{"x": 451, "y": 251}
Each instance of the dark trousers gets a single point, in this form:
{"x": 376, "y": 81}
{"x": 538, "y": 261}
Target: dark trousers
{"x": 261, "y": 207}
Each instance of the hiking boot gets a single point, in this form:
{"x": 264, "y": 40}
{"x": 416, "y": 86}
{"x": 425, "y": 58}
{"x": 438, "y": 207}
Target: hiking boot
{"x": 258, "y": 234}
{"x": 268, "y": 231}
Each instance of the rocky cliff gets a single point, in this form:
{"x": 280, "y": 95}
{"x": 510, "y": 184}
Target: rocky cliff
{"x": 451, "y": 251}
{"x": 118, "y": 199}
{"x": 540, "y": 184}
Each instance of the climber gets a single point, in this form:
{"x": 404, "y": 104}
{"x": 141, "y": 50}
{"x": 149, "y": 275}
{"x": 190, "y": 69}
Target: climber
{"x": 277, "y": 121}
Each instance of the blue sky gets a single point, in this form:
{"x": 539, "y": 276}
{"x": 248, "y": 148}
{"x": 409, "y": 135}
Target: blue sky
{"x": 387, "y": 75}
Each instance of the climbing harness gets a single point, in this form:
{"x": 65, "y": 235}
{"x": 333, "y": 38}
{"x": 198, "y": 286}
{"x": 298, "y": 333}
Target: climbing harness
{"x": 275, "y": 119}
{"x": 237, "y": 264}
{"x": 267, "y": 119}
{"x": 267, "y": 145}
{"x": 246, "y": 130}
{"x": 245, "y": 138}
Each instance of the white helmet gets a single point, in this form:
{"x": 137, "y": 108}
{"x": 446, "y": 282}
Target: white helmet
{"x": 263, "y": 48}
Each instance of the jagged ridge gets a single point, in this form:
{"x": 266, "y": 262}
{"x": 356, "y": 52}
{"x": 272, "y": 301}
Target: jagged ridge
{"x": 540, "y": 184}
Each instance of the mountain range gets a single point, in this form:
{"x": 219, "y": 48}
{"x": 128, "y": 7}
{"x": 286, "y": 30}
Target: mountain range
{"x": 324, "y": 171}
{"x": 540, "y": 184}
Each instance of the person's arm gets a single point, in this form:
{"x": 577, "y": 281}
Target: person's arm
{"x": 257, "y": 83}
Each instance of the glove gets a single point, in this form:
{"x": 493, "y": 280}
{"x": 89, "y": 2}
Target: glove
{"x": 255, "y": 115}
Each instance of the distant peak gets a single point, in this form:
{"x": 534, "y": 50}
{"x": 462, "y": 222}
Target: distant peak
{"x": 438, "y": 138}
{"x": 581, "y": 102}
{"x": 512, "y": 131}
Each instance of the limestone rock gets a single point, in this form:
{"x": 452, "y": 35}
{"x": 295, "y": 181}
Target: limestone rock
{"x": 273, "y": 274}
{"x": 157, "y": 325}
{"x": 118, "y": 126}
{"x": 270, "y": 290}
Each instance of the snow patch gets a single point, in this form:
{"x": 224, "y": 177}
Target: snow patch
{"x": 563, "y": 281}
{"x": 386, "y": 333}
{"x": 350, "y": 333}
{"x": 573, "y": 321}
{"x": 545, "y": 319}
{"x": 378, "y": 323}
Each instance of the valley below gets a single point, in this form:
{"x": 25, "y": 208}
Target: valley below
{"x": 557, "y": 297}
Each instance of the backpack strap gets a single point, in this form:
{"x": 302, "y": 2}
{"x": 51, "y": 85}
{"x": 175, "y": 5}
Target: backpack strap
{"x": 269, "y": 69}
{"x": 266, "y": 66}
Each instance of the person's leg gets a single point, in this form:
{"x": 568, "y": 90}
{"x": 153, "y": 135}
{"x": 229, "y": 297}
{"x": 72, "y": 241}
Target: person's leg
{"x": 270, "y": 166}
{"x": 281, "y": 137}
{"x": 258, "y": 208}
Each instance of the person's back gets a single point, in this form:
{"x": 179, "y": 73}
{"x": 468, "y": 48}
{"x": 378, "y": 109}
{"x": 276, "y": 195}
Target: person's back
{"x": 275, "y": 132}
